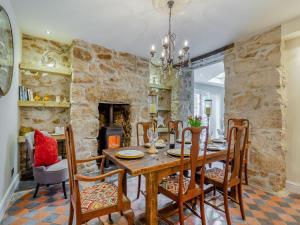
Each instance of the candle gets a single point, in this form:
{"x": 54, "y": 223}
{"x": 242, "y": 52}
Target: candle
{"x": 207, "y": 110}
{"x": 152, "y": 108}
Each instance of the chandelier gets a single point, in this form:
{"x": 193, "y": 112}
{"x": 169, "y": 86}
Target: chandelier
{"x": 168, "y": 60}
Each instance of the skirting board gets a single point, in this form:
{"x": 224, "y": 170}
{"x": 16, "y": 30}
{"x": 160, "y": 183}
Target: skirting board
{"x": 4, "y": 203}
{"x": 292, "y": 187}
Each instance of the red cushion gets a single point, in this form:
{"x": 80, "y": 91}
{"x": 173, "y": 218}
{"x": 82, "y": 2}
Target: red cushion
{"x": 46, "y": 152}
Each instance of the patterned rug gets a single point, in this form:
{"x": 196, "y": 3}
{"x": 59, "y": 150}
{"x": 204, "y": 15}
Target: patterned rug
{"x": 51, "y": 208}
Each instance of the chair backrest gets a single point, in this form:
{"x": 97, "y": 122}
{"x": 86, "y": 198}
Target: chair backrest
{"x": 193, "y": 159}
{"x": 71, "y": 158}
{"x": 237, "y": 122}
{"x": 29, "y": 140}
{"x": 237, "y": 141}
{"x": 145, "y": 126}
{"x": 240, "y": 122}
{"x": 175, "y": 125}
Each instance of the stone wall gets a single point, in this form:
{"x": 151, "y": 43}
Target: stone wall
{"x": 43, "y": 84}
{"x": 104, "y": 75}
{"x": 255, "y": 88}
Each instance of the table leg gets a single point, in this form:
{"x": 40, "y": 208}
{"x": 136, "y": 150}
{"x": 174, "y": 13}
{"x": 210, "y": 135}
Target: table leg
{"x": 124, "y": 184}
{"x": 151, "y": 198}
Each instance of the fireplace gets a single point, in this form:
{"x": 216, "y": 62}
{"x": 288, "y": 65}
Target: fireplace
{"x": 114, "y": 123}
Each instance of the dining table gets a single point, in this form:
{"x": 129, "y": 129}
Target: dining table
{"x": 155, "y": 167}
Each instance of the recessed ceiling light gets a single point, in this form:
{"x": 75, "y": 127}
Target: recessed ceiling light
{"x": 47, "y": 31}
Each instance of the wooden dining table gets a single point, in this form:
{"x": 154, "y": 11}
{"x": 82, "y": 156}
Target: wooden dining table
{"x": 154, "y": 168}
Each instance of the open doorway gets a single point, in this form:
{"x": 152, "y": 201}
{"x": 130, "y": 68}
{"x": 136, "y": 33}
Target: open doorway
{"x": 209, "y": 85}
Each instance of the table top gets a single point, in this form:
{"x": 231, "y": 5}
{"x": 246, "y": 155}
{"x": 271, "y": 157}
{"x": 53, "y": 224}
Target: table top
{"x": 155, "y": 162}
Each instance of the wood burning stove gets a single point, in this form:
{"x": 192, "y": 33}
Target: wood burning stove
{"x": 112, "y": 120}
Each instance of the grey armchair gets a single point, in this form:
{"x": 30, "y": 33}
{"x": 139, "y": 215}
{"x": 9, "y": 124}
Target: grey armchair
{"x": 47, "y": 175}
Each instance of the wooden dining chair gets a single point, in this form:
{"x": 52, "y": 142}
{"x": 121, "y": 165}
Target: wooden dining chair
{"x": 175, "y": 124}
{"x": 101, "y": 198}
{"x": 184, "y": 190}
{"x": 239, "y": 122}
{"x": 145, "y": 126}
{"x": 231, "y": 176}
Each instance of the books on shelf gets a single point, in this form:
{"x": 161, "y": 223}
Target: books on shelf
{"x": 25, "y": 94}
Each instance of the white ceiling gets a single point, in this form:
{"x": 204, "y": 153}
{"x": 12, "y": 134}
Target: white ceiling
{"x": 205, "y": 75}
{"x": 133, "y": 25}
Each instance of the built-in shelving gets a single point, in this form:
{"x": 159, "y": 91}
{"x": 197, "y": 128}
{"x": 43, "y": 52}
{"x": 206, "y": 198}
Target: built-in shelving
{"x": 164, "y": 108}
{"x": 61, "y": 137}
{"x": 162, "y": 130}
{"x": 52, "y": 104}
{"x": 161, "y": 87}
{"x": 34, "y": 68}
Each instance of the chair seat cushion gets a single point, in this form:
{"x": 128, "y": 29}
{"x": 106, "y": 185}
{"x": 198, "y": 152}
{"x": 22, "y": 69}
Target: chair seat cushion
{"x": 100, "y": 196}
{"x": 215, "y": 175}
{"x": 171, "y": 184}
{"x": 61, "y": 165}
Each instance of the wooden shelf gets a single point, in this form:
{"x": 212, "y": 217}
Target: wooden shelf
{"x": 44, "y": 104}
{"x": 162, "y": 130}
{"x": 60, "y": 71}
{"x": 160, "y": 87}
{"x": 21, "y": 139}
{"x": 164, "y": 108}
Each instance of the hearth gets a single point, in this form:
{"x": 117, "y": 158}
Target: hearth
{"x": 114, "y": 123}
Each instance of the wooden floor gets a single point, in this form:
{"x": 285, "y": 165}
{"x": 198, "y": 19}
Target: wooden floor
{"x": 51, "y": 208}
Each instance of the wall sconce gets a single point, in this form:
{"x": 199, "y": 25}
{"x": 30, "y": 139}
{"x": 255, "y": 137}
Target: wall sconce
{"x": 208, "y": 106}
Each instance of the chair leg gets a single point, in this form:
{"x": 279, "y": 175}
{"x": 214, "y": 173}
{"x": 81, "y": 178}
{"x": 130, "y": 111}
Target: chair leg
{"x": 129, "y": 216}
{"x": 64, "y": 189}
{"x": 240, "y": 195}
{"x": 181, "y": 215}
{"x": 110, "y": 219}
{"x": 36, "y": 190}
{"x": 202, "y": 210}
{"x": 71, "y": 214}
{"x": 226, "y": 207}
{"x": 246, "y": 173}
{"x": 139, "y": 187}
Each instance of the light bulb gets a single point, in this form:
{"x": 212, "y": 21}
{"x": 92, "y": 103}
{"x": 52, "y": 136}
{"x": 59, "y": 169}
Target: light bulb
{"x": 153, "y": 48}
{"x": 166, "y": 40}
{"x": 186, "y": 43}
{"x": 180, "y": 53}
{"x": 162, "y": 54}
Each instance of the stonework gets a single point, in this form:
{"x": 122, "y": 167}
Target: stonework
{"x": 104, "y": 75}
{"x": 255, "y": 88}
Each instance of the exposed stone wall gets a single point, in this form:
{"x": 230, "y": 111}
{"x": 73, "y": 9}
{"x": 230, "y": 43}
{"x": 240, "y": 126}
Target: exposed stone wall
{"x": 104, "y": 75}
{"x": 44, "y": 84}
{"x": 182, "y": 91}
{"x": 255, "y": 88}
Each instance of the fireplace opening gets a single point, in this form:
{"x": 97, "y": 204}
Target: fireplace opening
{"x": 114, "y": 126}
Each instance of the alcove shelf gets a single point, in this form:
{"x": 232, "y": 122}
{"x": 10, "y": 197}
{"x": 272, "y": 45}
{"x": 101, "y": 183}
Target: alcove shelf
{"x": 39, "y": 69}
{"x": 52, "y": 104}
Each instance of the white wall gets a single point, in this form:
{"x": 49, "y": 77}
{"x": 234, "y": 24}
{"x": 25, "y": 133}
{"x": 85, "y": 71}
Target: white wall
{"x": 9, "y": 119}
{"x": 293, "y": 74}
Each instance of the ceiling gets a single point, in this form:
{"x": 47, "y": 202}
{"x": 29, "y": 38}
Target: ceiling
{"x": 134, "y": 25}
{"x": 212, "y": 74}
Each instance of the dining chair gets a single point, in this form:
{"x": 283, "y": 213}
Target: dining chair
{"x": 175, "y": 124}
{"x": 238, "y": 122}
{"x": 145, "y": 126}
{"x": 100, "y": 198}
{"x": 231, "y": 176}
{"x": 185, "y": 190}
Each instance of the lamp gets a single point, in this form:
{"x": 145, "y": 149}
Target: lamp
{"x": 152, "y": 108}
{"x": 208, "y": 107}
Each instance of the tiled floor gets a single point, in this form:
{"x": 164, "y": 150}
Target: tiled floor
{"x": 51, "y": 208}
